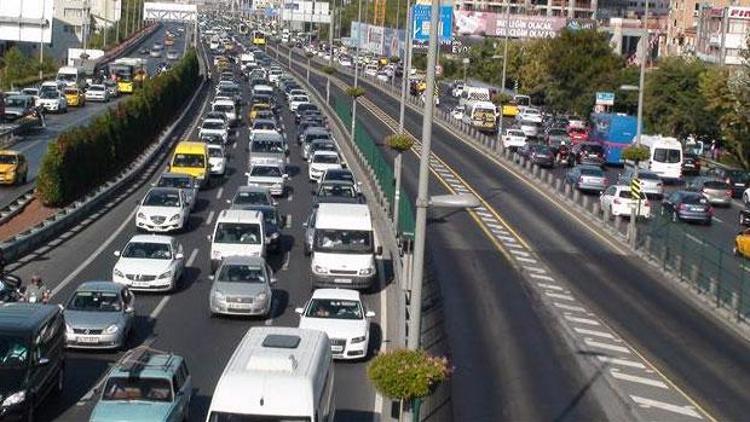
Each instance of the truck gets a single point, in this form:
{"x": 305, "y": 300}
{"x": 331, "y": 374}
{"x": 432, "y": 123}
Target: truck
{"x": 614, "y": 131}
{"x": 86, "y": 65}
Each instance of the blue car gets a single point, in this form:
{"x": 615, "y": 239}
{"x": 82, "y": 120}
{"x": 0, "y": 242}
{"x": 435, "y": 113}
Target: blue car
{"x": 145, "y": 385}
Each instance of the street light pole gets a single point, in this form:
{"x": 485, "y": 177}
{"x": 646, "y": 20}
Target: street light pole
{"x": 639, "y": 121}
{"x": 330, "y": 53}
{"x": 407, "y": 65}
{"x": 420, "y": 232}
{"x": 356, "y": 67}
{"x": 505, "y": 68}
{"x": 41, "y": 41}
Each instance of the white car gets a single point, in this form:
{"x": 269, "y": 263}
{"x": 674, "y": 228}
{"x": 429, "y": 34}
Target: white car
{"x": 340, "y": 314}
{"x": 268, "y": 175}
{"x": 458, "y": 112}
{"x": 295, "y": 92}
{"x": 150, "y": 263}
{"x": 619, "y": 201}
{"x": 371, "y": 70}
{"x": 530, "y": 114}
{"x": 514, "y": 138}
{"x": 163, "y": 210}
{"x": 217, "y": 160}
{"x": 97, "y": 92}
{"x": 274, "y": 76}
{"x": 322, "y": 161}
{"x": 345, "y": 61}
{"x": 296, "y": 100}
{"x": 530, "y": 128}
{"x": 53, "y": 101}
{"x": 214, "y": 127}
{"x": 382, "y": 76}
{"x": 228, "y": 108}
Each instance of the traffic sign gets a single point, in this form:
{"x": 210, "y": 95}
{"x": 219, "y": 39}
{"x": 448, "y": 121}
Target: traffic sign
{"x": 635, "y": 189}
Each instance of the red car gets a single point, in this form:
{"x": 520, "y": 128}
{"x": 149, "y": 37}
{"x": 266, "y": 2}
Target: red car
{"x": 578, "y": 135}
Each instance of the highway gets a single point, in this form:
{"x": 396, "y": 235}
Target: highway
{"x": 34, "y": 146}
{"x": 180, "y": 322}
{"x": 684, "y": 348}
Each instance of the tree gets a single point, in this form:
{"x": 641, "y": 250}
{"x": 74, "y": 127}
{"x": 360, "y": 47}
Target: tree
{"x": 673, "y": 102}
{"x": 407, "y": 374}
{"x": 728, "y": 97}
{"x": 17, "y": 65}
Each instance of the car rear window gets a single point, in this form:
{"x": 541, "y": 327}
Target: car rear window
{"x": 715, "y": 184}
{"x": 695, "y": 199}
{"x": 592, "y": 171}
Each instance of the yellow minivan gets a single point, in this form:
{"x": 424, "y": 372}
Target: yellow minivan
{"x": 191, "y": 158}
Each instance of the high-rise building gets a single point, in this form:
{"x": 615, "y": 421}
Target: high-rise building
{"x": 684, "y": 22}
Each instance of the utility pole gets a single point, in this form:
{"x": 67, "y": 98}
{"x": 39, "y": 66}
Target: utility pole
{"x": 397, "y": 164}
{"x": 632, "y": 228}
{"x": 505, "y": 68}
{"x": 330, "y": 53}
{"x": 356, "y": 68}
{"x": 42, "y": 24}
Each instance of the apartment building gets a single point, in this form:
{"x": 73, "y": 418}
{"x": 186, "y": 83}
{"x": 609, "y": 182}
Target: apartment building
{"x": 685, "y": 19}
{"x": 721, "y": 34}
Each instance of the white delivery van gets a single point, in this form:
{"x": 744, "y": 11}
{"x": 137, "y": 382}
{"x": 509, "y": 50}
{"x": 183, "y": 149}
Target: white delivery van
{"x": 277, "y": 374}
{"x": 342, "y": 242}
{"x": 665, "y": 158}
{"x": 237, "y": 233}
{"x": 481, "y": 114}
{"x": 262, "y": 90}
{"x": 228, "y": 108}
{"x": 70, "y": 76}
{"x": 473, "y": 93}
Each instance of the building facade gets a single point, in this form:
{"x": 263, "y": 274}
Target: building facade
{"x": 684, "y": 20}
{"x": 579, "y": 9}
{"x": 722, "y": 33}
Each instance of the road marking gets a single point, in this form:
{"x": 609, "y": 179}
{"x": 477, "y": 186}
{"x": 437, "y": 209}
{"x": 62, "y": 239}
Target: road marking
{"x": 219, "y": 192}
{"x": 519, "y": 253}
{"x": 287, "y": 257}
{"x": 655, "y": 404}
{"x": 535, "y": 269}
{"x": 587, "y": 321}
{"x": 717, "y": 219}
{"x": 613, "y": 347}
{"x": 548, "y": 286}
{"x": 543, "y": 277}
{"x": 210, "y": 217}
{"x": 512, "y": 245}
{"x": 615, "y": 372}
{"x": 529, "y": 260}
{"x": 594, "y": 333}
{"x": 191, "y": 258}
{"x": 570, "y": 307}
{"x": 621, "y": 362}
{"x": 560, "y": 296}
{"x": 694, "y": 239}
{"x": 507, "y": 238}
{"x": 234, "y": 146}
{"x": 160, "y": 307}
{"x": 93, "y": 256}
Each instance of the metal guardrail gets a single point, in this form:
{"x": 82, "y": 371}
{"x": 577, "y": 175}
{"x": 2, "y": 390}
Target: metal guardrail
{"x": 34, "y": 237}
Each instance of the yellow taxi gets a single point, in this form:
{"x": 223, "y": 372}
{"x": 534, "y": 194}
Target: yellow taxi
{"x": 742, "y": 244}
{"x": 510, "y": 109}
{"x": 255, "y": 108}
{"x": 13, "y": 167}
{"x": 383, "y": 61}
{"x": 75, "y": 97}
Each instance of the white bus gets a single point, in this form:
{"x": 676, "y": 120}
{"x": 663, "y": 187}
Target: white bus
{"x": 665, "y": 158}
{"x": 277, "y": 374}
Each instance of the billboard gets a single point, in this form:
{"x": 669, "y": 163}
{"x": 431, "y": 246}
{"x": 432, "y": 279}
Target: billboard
{"x": 26, "y": 20}
{"x": 306, "y": 11}
{"x": 378, "y": 40}
{"x": 421, "y": 14}
{"x": 516, "y": 26}
{"x": 169, "y": 12}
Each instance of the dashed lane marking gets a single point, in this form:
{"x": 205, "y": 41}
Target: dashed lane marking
{"x": 219, "y": 192}
{"x": 594, "y": 333}
{"x": 210, "y": 218}
{"x": 587, "y": 321}
{"x": 560, "y": 296}
{"x": 656, "y": 404}
{"x": 606, "y": 346}
{"x": 621, "y": 362}
{"x": 615, "y": 372}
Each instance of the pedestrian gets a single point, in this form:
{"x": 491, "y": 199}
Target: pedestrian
{"x": 37, "y": 292}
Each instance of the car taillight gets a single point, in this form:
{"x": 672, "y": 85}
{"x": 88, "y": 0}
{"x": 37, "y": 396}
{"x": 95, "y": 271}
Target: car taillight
{"x": 683, "y": 206}
{"x": 728, "y": 193}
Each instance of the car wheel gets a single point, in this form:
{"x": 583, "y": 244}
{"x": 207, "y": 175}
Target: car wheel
{"x": 675, "y": 217}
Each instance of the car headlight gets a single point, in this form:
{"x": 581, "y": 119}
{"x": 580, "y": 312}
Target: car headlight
{"x": 68, "y": 329}
{"x": 320, "y": 269}
{"x": 175, "y": 217}
{"x": 15, "y": 398}
{"x": 167, "y": 274}
{"x": 367, "y": 271}
{"x": 119, "y": 273}
{"x": 112, "y": 329}
{"x": 215, "y": 254}
{"x": 261, "y": 297}
{"x": 359, "y": 339}
{"x": 141, "y": 215}
{"x": 219, "y": 296}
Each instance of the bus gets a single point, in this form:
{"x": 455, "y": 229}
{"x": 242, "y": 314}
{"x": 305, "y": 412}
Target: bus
{"x": 129, "y": 73}
{"x": 614, "y": 131}
{"x": 259, "y": 38}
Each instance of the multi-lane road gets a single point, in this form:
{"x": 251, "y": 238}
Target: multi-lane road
{"x": 34, "y": 146}
{"x": 180, "y": 322}
{"x": 509, "y": 346}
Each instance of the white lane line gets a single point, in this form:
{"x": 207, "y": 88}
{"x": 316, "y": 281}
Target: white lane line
{"x": 495, "y": 226}
{"x": 485, "y": 214}
{"x": 560, "y": 296}
{"x": 594, "y": 333}
{"x": 128, "y": 220}
{"x": 529, "y": 260}
{"x": 547, "y": 285}
{"x": 694, "y": 239}
{"x": 234, "y": 146}
{"x": 621, "y": 362}
{"x": 160, "y": 307}
{"x": 287, "y": 257}
{"x": 507, "y": 238}
{"x": 191, "y": 258}
{"x": 636, "y": 379}
{"x": 587, "y": 321}
{"x": 647, "y": 403}
{"x": 513, "y": 245}
{"x": 519, "y": 253}
{"x": 606, "y": 346}
{"x": 210, "y": 217}
{"x": 219, "y": 192}
{"x": 570, "y": 307}
{"x": 717, "y": 219}
{"x": 535, "y": 269}
{"x": 542, "y": 277}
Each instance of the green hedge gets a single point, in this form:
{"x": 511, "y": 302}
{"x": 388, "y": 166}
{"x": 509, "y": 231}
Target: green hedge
{"x": 85, "y": 157}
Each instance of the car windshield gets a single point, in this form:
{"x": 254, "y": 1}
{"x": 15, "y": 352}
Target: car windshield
{"x": 67, "y": 77}
{"x": 345, "y": 176}
{"x": 251, "y": 198}
{"x": 215, "y": 153}
{"x": 315, "y": 136}
{"x": 96, "y": 88}
{"x": 592, "y": 149}
{"x": 162, "y": 198}
{"x": 265, "y": 171}
{"x": 307, "y": 106}
{"x": 19, "y": 102}
{"x": 189, "y": 160}
{"x": 669, "y": 156}
{"x": 71, "y": 92}
{"x": 264, "y": 126}
{"x": 213, "y": 125}
{"x": 175, "y": 182}
{"x": 136, "y": 388}
{"x": 14, "y": 352}
{"x": 224, "y": 107}
{"x": 147, "y": 250}
{"x": 93, "y": 301}
{"x": 267, "y": 146}
{"x": 648, "y": 176}
{"x": 326, "y": 146}
{"x": 629, "y": 195}
{"x": 337, "y": 190}
{"x": 557, "y": 132}
{"x": 8, "y": 159}
{"x": 239, "y": 233}
{"x": 343, "y": 241}
{"x": 542, "y": 149}
{"x": 716, "y": 184}
{"x": 739, "y": 176}
{"x": 325, "y": 159}
{"x": 592, "y": 171}
{"x": 334, "y": 309}
{"x": 694, "y": 199}
{"x": 235, "y": 273}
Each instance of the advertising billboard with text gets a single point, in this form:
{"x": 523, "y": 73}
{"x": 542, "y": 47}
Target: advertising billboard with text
{"x": 516, "y": 26}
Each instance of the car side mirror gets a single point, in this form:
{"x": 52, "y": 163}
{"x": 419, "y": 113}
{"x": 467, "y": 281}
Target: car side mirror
{"x": 285, "y": 176}
{"x": 43, "y": 361}
{"x": 247, "y": 173}
{"x": 273, "y": 280}
{"x": 208, "y": 236}
{"x": 299, "y": 310}
{"x": 116, "y": 253}
{"x": 369, "y": 314}
{"x": 129, "y": 309}
{"x": 179, "y": 256}
{"x": 211, "y": 277}
{"x": 379, "y": 251}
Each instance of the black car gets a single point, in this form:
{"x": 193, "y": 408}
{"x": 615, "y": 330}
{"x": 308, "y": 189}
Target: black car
{"x": 32, "y": 359}
{"x": 691, "y": 165}
{"x": 539, "y": 154}
{"x": 586, "y": 153}
{"x": 272, "y": 224}
{"x": 738, "y": 179}
{"x": 687, "y": 206}
{"x": 304, "y": 108}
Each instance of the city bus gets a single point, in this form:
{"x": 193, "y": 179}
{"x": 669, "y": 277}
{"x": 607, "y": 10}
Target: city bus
{"x": 259, "y": 38}
{"x": 122, "y": 74}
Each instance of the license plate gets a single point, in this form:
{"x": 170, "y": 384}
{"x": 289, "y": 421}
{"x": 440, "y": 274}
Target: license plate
{"x": 689, "y": 165}
{"x": 88, "y": 340}
{"x": 239, "y": 306}
{"x": 342, "y": 280}
{"x": 337, "y": 349}
{"x": 140, "y": 284}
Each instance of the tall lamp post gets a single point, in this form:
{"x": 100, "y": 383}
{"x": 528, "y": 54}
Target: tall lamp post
{"x": 505, "y": 67}
{"x": 356, "y": 67}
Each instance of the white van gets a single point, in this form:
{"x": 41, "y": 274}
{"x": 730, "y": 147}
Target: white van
{"x": 237, "y": 233}
{"x": 262, "y": 90}
{"x": 277, "y": 374}
{"x": 342, "y": 242}
{"x": 473, "y": 93}
{"x": 481, "y": 114}
{"x": 228, "y": 108}
{"x": 70, "y": 76}
{"x": 666, "y": 156}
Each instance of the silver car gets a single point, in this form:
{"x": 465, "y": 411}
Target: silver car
{"x": 718, "y": 192}
{"x": 587, "y": 178}
{"x": 186, "y": 182}
{"x": 99, "y": 315}
{"x": 242, "y": 286}
{"x": 651, "y": 183}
